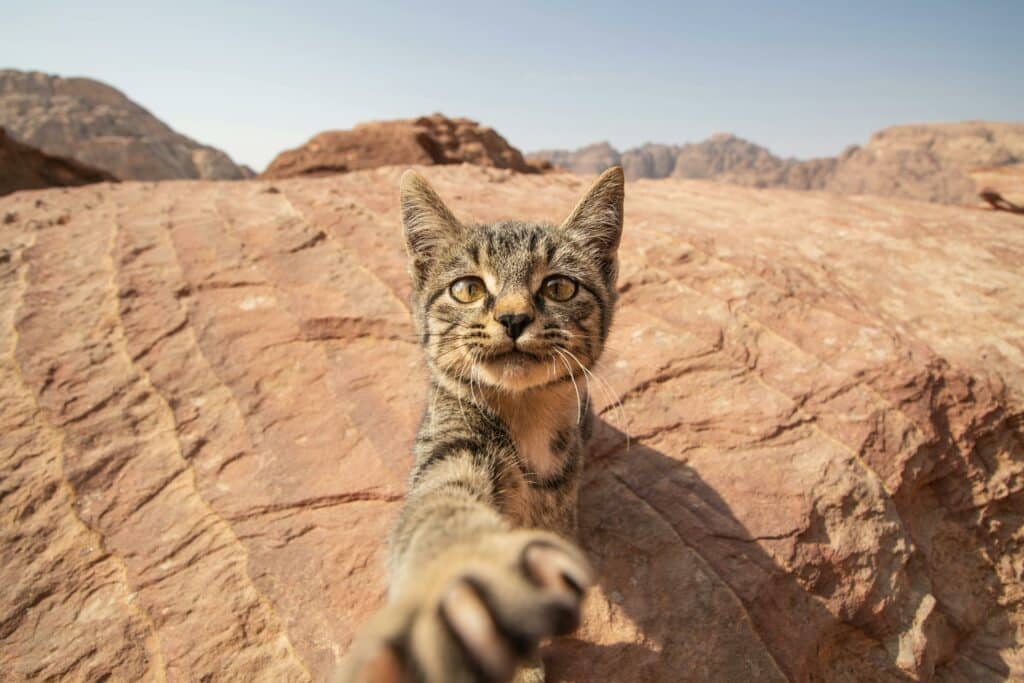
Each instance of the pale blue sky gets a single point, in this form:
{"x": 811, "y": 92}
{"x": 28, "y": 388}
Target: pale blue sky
{"x": 804, "y": 79}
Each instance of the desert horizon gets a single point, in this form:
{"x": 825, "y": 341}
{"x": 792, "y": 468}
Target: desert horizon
{"x": 952, "y": 163}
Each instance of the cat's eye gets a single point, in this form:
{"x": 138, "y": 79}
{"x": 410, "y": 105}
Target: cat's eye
{"x": 559, "y": 288}
{"x": 468, "y": 289}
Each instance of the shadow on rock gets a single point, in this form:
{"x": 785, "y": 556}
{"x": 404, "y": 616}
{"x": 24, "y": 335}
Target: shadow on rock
{"x": 687, "y": 594}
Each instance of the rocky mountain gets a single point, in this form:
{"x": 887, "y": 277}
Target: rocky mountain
{"x": 591, "y": 159}
{"x": 930, "y": 162}
{"x": 427, "y": 140}
{"x": 26, "y": 168}
{"x": 205, "y": 429}
{"x": 91, "y": 122}
{"x": 723, "y": 157}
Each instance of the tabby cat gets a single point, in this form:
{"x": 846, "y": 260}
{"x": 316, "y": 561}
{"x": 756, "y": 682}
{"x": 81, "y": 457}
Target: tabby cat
{"x": 511, "y": 317}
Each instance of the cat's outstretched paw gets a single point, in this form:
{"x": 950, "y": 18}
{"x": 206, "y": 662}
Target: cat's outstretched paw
{"x": 479, "y": 612}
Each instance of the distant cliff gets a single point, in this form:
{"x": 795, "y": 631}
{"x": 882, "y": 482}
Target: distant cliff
{"x": 929, "y": 162}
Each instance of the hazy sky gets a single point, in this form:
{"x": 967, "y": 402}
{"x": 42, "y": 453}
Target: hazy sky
{"x": 803, "y": 78}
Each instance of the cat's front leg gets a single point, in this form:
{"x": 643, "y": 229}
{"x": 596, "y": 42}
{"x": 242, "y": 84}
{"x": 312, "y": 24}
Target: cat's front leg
{"x": 477, "y": 613}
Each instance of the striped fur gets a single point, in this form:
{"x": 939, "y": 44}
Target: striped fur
{"x": 500, "y": 445}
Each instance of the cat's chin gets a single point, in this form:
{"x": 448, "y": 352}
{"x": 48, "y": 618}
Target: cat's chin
{"x": 515, "y": 371}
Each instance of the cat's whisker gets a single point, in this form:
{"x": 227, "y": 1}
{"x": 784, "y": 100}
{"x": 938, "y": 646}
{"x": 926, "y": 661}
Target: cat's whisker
{"x": 433, "y": 400}
{"x": 457, "y": 363}
{"x": 470, "y": 373}
{"x": 609, "y": 393}
{"x": 604, "y": 344}
{"x": 588, "y": 400}
{"x": 602, "y": 384}
{"x": 455, "y": 348}
{"x": 458, "y": 394}
{"x": 579, "y": 400}
{"x": 474, "y": 377}
{"x": 463, "y": 340}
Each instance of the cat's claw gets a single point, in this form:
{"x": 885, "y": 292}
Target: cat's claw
{"x": 489, "y": 610}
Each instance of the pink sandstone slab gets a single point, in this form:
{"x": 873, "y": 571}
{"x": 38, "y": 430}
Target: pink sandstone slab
{"x": 808, "y": 465}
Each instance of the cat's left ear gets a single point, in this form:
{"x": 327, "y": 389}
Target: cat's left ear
{"x": 428, "y": 224}
{"x": 596, "y": 222}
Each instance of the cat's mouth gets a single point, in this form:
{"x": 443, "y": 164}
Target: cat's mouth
{"x": 513, "y": 355}
{"x": 511, "y": 367}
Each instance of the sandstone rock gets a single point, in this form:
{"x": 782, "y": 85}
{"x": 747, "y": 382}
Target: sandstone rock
{"x": 808, "y": 465}
{"x": 427, "y": 140}
{"x": 26, "y": 168}
{"x": 83, "y": 119}
{"x": 929, "y": 162}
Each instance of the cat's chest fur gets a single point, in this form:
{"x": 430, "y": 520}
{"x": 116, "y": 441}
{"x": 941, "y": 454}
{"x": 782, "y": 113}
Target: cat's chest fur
{"x": 537, "y": 444}
{"x": 541, "y": 430}
{"x": 541, "y": 489}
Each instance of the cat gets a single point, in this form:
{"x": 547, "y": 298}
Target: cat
{"x": 511, "y": 317}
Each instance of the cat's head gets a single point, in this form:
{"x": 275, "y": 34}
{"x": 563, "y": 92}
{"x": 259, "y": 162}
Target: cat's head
{"x": 513, "y": 305}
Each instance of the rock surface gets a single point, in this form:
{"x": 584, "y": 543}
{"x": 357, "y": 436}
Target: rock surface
{"x": 26, "y": 168}
{"x": 428, "y": 140}
{"x": 83, "y": 119}
{"x": 208, "y": 393}
{"x": 928, "y": 162}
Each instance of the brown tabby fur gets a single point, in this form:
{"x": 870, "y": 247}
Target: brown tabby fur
{"x": 482, "y": 561}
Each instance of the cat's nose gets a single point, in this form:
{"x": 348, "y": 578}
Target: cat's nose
{"x": 515, "y": 323}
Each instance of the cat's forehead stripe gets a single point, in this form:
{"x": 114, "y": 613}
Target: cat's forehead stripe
{"x": 507, "y": 256}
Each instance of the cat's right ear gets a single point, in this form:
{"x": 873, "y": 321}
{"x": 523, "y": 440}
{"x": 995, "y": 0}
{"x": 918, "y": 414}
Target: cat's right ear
{"x": 428, "y": 223}
{"x": 595, "y": 225}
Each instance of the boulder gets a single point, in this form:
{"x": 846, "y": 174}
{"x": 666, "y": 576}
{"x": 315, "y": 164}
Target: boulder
{"x": 808, "y": 462}
{"x": 428, "y": 140}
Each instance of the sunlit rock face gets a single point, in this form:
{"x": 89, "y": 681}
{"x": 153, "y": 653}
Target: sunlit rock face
{"x": 434, "y": 139}
{"x": 807, "y": 464}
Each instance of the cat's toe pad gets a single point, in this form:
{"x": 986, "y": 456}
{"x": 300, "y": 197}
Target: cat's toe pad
{"x": 491, "y": 607}
{"x": 473, "y": 624}
{"x": 552, "y": 569}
